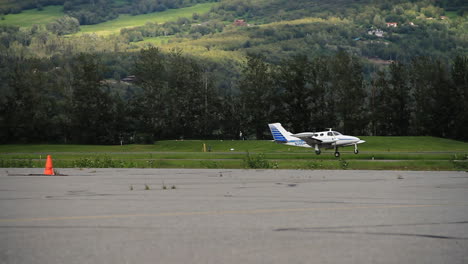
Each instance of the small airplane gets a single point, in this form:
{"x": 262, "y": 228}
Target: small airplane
{"x": 325, "y": 139}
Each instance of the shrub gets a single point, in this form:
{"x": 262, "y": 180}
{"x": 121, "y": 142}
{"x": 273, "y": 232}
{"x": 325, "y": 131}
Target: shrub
{"x": 344, "y": 164}
{"x": 256, "y": 162}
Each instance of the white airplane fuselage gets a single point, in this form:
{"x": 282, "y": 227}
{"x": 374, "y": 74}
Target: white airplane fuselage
{"x": 324, "y": 139}
{"x": 327, "y": 141}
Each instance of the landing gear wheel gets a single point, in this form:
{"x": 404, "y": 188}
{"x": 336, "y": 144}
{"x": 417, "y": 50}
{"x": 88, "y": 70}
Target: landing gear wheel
{"x": 356, "y": 151}
{"x": 318, "y": 152}
{"x": 337, "y": 154}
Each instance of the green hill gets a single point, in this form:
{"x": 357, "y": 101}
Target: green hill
{"x": 129, "y": 21}
{"x": 31, "y": 17}
{"x": 276, "y": 28}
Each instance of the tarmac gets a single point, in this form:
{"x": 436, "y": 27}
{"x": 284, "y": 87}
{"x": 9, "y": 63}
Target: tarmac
{"x": 233, "y": 216}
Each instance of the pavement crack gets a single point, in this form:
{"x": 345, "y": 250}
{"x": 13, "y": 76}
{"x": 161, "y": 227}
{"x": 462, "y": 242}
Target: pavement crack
{"x": 335, "y": 230}
{"x": 396, "y": 234}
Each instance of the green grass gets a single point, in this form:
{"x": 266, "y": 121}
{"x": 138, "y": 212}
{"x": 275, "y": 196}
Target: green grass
{"x": 239, "y": 155}
{"x": 451, "y": 14}
{"x": 412, "y": 144}
{"x": 30, "y": 17}
{"x": 429, "y": 165}
{"x": 394, "y": 153}
{"x": 128, "y": 21}
{"x": 403, "y": 146}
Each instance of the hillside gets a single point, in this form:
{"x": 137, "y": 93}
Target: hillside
{"x": 276, "y": 29}
{"x": 114, "y": 26}
{"x": 30, "y": 17}
{"x": 279, "y": 29}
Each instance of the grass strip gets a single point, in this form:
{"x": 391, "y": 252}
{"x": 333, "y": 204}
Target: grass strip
{"x": 431, "y": 165}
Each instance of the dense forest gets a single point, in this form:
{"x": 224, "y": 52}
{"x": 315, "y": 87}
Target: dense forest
{"x": 306, "y": 64}
{"x": 174, "y": 96}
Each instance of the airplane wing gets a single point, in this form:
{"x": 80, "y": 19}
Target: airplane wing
{"x": 352, "y": 144}
{"x": 308, "y": 138}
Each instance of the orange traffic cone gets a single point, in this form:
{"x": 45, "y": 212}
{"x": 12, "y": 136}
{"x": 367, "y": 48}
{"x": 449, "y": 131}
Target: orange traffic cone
{"x": 49, "y": 170}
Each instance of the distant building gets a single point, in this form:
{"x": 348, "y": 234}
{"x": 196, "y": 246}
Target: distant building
{"x": 392, "y": 24}
{"x": 240, "y": 23}
{"x": 376, "y": 32}
{"x": 130, "y": 78}
{"x": 201, "y": 24}
{"x": 379, "y": 61}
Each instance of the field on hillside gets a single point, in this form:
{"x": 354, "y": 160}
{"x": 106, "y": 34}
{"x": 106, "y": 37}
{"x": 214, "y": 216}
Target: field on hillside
{"x": 128, "y": 21}
{"x": 398, "y": 153}
{"x": 30, "y": 17}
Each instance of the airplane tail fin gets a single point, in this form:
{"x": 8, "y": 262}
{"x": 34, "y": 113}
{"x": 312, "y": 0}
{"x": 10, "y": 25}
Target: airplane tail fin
{"x": 280, "y": 135}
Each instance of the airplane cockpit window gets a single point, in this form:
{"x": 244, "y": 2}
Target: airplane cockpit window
{"x": 329, "y": 134}
{"x": 321, "y": 134}
{"x": 336, "y": 133}
{"x": 315, "y": 135}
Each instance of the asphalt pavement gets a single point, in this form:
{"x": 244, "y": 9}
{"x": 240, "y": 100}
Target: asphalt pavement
{"x": 233, "y": 216}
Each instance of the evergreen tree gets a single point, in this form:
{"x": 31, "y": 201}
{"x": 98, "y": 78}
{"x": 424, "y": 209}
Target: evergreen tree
{"x": 92, "y": 107}
{"x": 445, "y": 107}
{"x": 460, "y": 96}
{"x": 188, "y": 94}
{"x": 19, "y": 104}
{"x": 25, "y": 110}
{"x": 297, "y": 98}
{"x": 349, "y": 95}
{"x": 391, "y": 103}
{"x": 321, "y": 101}
{"x": 433, "y": 98}
{"x": 256, "y": 87}
{"x": 149, "y": 107}
{"x": 380, "y": 105}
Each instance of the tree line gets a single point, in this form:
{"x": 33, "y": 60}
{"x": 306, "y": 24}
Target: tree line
{"x": 174, "y": 96}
